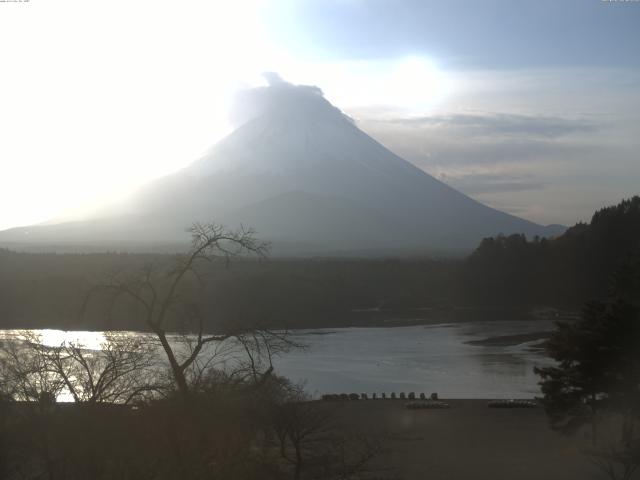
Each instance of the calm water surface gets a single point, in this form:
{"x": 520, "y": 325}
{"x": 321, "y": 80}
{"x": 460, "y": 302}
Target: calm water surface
{"x": 432, "y": 358}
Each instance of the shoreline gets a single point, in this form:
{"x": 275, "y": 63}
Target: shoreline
{"x": 512, "y": 340}
{"x": 375, "y": 319}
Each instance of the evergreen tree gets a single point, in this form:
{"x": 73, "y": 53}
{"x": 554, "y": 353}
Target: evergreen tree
{"x": 597, "y": 377}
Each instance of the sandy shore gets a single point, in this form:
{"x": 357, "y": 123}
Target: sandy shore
{"x": 468, "y": 441}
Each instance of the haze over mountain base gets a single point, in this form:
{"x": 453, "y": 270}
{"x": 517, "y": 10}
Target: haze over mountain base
{"x": 301, "y": 173}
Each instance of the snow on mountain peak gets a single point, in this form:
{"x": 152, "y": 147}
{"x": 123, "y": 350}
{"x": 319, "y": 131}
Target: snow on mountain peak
{"x": 282, "y": 128}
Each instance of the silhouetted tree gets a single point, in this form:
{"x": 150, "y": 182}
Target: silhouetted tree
{"x": 310, "y": 439}
{"x": 597, "y": 378}
{"x": 575, "y": 389}
{"x": 171, "y": 300}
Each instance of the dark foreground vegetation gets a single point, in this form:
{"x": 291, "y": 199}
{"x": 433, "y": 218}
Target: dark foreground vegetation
{"x": 469, "y": 441}
{"x": 596, "y": 380}
{"x": 188, "y": 405}
{"x": 199, "y": 398}
{"x": 503, "y": 276}
{"x": 240, "y": 432}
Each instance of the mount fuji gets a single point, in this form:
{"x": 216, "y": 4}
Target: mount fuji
{"x": 303, "y": 175}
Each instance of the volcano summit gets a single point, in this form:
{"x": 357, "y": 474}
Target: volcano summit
{"x": 307, "y": 179}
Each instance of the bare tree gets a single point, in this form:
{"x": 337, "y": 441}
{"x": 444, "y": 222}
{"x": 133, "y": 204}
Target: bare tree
{"x": 172, "y": 299}
{"x": 25, "y": 375}
{"x": 314, "y": 444}
{"x": 618, "y": 461}
{"x": 301, "y": 429}
{"x": 34, "y": 375}
{"x": 120, "y": 371}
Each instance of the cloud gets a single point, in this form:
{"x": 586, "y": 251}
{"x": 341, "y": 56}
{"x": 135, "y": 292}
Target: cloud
{"x": 466, "y": 140}
{"x": 481, "y": 184}
{"x": 273, "y": 78}
{"x": 503, "y": 152}
{"x": 535, "y": 165}
{"x": 501, "y": 124}
{"x": 561, "y": 142}
{"x": 277, "y": 97}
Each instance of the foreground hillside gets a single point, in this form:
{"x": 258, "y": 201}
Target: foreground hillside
{"x": 468, "y": 441}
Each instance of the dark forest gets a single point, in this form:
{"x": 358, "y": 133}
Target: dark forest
{"x": 519, "y": 274}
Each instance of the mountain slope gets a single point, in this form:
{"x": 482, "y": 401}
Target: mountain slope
{"x": 302, "y": 173}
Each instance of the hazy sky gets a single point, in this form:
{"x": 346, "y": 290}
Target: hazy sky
{"x": 529, "y": 106}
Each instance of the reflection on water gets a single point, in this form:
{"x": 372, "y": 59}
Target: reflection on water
{"x": 55, "y": 338}
{"x": 427, "y": 359}
{"x": 88, "y": 340}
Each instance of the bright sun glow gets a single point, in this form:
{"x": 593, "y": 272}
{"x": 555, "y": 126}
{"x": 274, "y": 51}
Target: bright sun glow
{"x": 416, "y": 80}
{"x": 97, "y": 98}
{"x": 414, "y": 83}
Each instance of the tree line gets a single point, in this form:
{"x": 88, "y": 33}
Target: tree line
{"x": 46, "y": 290}
{"x": 595, "y": 382}
{"x": 567, "y": 270}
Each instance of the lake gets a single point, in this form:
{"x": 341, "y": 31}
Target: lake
{"x": 430, "y": 358}
{"x": 426, "y": 358}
